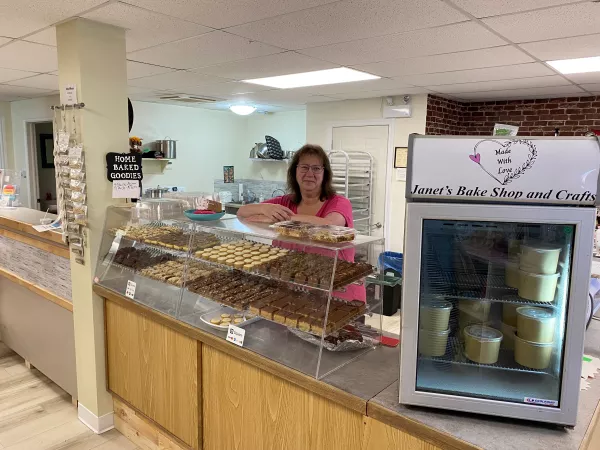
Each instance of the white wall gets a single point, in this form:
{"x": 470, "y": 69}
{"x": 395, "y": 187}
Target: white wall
{"x": 6, "y": 141}
{"x": 33, "y": 110}
{"x": 320, "y": 115}
{"x": 206, "y": 141}
{"x": 288, "y": 127}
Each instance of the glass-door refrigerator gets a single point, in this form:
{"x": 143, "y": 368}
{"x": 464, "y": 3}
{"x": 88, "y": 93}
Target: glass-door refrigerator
{"x": 497, "y": 256}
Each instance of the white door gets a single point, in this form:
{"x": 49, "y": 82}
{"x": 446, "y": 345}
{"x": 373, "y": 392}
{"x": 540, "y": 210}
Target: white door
{"x": 372, "y": 139}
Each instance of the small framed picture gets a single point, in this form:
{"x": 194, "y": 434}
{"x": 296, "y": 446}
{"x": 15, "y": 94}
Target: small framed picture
{"x": 400, "y": 157}
{"x": 228, "y": 174}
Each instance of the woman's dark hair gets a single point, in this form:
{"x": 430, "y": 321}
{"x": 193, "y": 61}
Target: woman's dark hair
{"x": 327, "y": 190}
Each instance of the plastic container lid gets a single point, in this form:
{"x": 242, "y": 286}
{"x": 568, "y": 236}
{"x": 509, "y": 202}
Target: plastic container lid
{"x": 535, "y": 313}
{"x": 539, "y": 275}
{"x": 541, "y": 248}
{"x": 482, "y": 333}
{"x": 438, "y": 305}
{"x": 534, "y": 344}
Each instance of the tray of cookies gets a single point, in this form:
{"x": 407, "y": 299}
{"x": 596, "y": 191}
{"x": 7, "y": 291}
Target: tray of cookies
{"x": 137, "y": 259}
{"x": 143, "y": 232}
{"x": 241, "y": 255}
{"x": 223, "y": 317}
{"x": 346, "y": 339}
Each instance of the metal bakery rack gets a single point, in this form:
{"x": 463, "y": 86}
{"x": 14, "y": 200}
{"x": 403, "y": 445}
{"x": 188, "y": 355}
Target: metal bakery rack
{"x": 353, "y": 178}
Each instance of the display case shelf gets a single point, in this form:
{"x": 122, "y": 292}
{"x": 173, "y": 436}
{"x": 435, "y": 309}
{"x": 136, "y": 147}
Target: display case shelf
{"x": 340, "y": 286}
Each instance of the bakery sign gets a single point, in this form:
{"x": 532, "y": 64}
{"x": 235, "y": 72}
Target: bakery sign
{"x": 561, "y": 170}
{"x": 124, "y": 166}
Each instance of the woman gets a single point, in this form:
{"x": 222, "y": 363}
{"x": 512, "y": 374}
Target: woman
{"x": 312, "y": 197}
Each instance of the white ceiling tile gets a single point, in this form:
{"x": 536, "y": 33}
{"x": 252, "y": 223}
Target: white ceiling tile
{"x": 211, "y": 48}
{"x": 226, "y": 14}
{"x": 222, "y": 89}
{"x": 594, "y": 87}
{"x": 44, "y": 81}
{"x": 20, "y": 91}
{"x": 132, "y": 90}
{"x": 46, "y": 37}
{"x": 139, "y": 70}
{"x": 145, "y": 28}
{"x": 486, "y": 8}
{"x": 175, "y": 80}
{"x": 22, "y": 55}
{"x": 282, "y": 97}
{"x": 554, "y": 80}
{"x": 584, "y": 78}
{"x": 383, "y": 93}
{"x": 267, "y": 66}
{"x": 10, "y": 74}
{"x": 435, "y": 41}
{"x": 4, "y": 40}
{"x": 574, "y": 47}
{"x": 348, "y": 20}
{"x": 471, "y": 59}
{"x": 565, "y": 21}
{"x": 356, "y": 87}
{"x": 542, "y": 92}
{"x": 21, "y": 17}
{"x": 475, "y": 75}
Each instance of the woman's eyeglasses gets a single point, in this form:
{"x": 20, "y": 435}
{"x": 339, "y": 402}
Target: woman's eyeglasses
{"x": 304, "y": 168}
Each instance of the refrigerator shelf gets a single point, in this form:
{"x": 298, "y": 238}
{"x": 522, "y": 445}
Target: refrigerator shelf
{"x": 512, "y": 300}
{"x": 456, "y": 356}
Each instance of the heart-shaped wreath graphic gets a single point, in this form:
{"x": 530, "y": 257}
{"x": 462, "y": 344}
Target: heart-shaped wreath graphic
{"x": 504, "y": 149}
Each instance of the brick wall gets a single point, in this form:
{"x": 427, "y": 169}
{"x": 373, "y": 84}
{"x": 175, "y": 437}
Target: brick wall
{"x": 574, "y": 116}
{"x": 444, "y": 116}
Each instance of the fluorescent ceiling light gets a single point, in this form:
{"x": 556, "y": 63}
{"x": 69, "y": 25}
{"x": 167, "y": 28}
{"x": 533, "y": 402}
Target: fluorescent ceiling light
{"x": 577, "y": 65}
{"x": 316, "y": 78}
{"x": 242, "y": 110}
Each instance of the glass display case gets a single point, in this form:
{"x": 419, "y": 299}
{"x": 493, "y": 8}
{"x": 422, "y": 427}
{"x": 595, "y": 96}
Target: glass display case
{"x": 301, "y": 302}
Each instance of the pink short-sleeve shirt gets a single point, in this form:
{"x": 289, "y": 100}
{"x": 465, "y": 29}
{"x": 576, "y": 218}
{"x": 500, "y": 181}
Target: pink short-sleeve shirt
{"x": 337, "y": 203}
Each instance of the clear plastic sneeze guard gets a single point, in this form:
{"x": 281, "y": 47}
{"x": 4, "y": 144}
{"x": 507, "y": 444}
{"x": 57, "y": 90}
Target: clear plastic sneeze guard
{"x": 302, "y": 303}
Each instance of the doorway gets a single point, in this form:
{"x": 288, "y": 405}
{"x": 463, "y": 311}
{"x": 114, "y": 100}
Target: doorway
{"x": 375, "y": 137}
{"x": 43, "y": 175}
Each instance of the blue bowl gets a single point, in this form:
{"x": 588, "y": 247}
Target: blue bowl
{"x": 203, "y": 217}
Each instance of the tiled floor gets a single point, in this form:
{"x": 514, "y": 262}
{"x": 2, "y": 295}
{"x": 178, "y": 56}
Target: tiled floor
{"x": 35, "y": 414}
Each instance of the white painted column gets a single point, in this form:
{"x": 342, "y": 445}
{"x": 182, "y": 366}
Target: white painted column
{"x": 92, "y": 56}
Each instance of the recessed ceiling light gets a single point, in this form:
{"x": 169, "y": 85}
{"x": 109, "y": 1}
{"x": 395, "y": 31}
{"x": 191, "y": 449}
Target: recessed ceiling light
{"x": 242, "y": 110}
{"x": 316, "y": 78}
{"x": 577, "y": 65}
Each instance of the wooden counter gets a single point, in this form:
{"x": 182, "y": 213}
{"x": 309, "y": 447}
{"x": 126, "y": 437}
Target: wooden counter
{"x": 177, "y": 386}
{"x": 36, "y": 311}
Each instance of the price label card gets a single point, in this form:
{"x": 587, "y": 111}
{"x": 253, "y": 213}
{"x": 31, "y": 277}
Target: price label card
{"x": 126, "y": 189}
{"x": 130, "y": 291}
{"x": 236, "y": 335}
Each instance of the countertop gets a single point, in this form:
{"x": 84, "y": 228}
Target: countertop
{"x": 494, "y": 433}
{"x": 26, "y": 215}
{"x": 371, "y": 382}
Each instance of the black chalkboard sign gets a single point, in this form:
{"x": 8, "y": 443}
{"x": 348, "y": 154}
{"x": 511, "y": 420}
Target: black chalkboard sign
{"x": 124, "y": 166}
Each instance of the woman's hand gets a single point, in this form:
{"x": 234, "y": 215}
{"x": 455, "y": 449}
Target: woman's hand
{"x": 271, "y": 212}
{"x": 276, "y": 213}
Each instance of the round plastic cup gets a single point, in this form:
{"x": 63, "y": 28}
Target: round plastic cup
{"x": 532, "y": 354}
{"x": 539, "y": 258}
{"x": 435, "y": 316}
{"x": 535, "y": 324}
{"x": 537, "y": 287}
{"x": 433, "y": 343}
{"x": 482, "y": 344}
{"x": 512, "y": 276}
